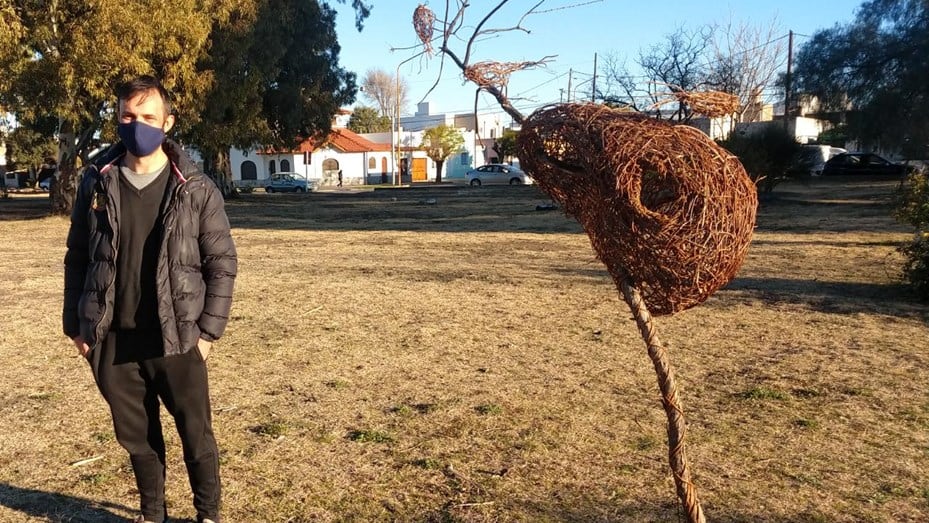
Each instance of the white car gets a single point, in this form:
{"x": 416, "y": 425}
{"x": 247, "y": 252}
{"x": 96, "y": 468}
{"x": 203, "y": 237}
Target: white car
{"x": 496, "y": 173}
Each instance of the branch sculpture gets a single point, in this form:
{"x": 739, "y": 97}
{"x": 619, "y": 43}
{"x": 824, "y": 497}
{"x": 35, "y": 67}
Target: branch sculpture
{"x": 668, "y": 211}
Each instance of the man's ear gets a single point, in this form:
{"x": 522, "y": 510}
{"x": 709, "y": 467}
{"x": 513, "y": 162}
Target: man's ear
{"x": 169, "y": 123}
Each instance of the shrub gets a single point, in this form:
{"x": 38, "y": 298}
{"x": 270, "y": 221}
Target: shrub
{"x": 913, "y": 209}
{"x": 768, "y": 156}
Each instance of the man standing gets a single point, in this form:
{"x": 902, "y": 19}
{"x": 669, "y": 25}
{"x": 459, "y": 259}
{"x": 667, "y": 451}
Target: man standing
{"x": 149, "y": 274}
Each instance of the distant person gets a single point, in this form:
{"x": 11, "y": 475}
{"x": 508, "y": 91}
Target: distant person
{"x": 340, "y": 178}
{"x": 147, "y": 318}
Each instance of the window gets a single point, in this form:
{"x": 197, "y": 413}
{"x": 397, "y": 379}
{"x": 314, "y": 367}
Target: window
{"x": 271, "y": 168}
{"x": 249, "y": 170}
{"x": 384, "y": 164}
{"x": 285, "y": 166}
{"x": 372, "y": 164}
{"x": 330, "y": 164}
{"x": 465, "y": 159}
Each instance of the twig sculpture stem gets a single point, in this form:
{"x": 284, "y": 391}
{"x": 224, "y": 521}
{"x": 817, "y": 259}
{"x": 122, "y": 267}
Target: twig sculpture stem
{"x": 686, "y": 490}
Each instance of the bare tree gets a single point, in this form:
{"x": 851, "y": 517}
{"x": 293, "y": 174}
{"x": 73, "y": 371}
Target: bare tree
{"x": 677, "y": 64}
{"x": 384, "y": 89}
{"x": 746, "y": 59}
{"x": 620, "y": 87}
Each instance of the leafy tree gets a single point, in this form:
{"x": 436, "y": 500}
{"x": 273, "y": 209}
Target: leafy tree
{"x": 63, "y": 59}
{"x": 276, "y": 79}
{"x": 768, "y": 156}
{"x": 368, "y": 120}
{"x": 31, "y": 143}
{"x": 876, "y": 67}
{"x": 387, "y": 91}
{"x": 505, "y": 146}
{"x": 440, "y": 142}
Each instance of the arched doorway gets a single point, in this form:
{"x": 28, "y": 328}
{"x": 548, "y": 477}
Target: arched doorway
{"x": 272, "y": 168}
{"x": 330, "y": 171}
{"x": 249, "y": 170}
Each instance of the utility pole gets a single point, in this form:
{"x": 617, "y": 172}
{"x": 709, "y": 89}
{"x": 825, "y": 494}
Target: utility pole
{"x": 593, "y": 88}
{"x": 787, "y": 79}
{"x": 570, "y": 75}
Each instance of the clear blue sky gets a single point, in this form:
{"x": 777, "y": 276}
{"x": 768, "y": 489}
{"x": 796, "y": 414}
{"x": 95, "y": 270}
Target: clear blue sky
{"x": 574, "y": 30}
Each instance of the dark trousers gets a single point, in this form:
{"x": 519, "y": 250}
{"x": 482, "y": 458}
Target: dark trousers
{"x": 133, "y": 375}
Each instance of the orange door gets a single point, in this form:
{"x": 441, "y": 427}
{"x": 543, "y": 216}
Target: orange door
{"x": 419, "y": 169}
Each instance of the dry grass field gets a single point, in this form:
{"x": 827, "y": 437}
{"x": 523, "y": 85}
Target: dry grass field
{"x": 470, "y": 361}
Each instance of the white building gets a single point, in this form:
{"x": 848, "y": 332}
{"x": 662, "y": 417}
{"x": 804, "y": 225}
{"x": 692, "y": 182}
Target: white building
{"x": 377, "y": 157}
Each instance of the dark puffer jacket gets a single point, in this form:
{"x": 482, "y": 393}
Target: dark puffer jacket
{"x": 196, "y": 263}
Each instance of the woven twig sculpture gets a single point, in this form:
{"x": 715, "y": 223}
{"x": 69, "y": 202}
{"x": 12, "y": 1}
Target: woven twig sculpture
{"x": 496, "y": 74}
{"x": 423, "y": 23}
{"x": 669, "y": 213}
{"x": 708, "y": 103}
{"x": 664, "y": 206}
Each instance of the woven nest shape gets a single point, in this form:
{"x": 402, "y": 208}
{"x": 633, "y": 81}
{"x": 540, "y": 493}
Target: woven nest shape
{"x": 423, "y": 21}
{"x": 707, "y": 103}
{"x": 663, "y": 205}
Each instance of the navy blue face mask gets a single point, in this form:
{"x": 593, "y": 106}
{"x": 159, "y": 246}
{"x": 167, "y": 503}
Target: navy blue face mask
{"x": 140, "y": 139}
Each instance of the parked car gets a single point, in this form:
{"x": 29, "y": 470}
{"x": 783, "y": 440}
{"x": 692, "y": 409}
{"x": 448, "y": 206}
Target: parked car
{"x": 289, "y": 182}
{"x": 862, "y": 163}
{"x": 812, "y": 158}
{"x": 496, "y": 173}
{"x": 46, "y": 183}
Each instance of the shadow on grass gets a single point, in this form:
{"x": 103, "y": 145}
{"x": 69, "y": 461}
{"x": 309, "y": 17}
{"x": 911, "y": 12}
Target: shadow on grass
{"x": 567, "y": 507}
{"x": 58, "y": 507}
{"x": 831, "y": 297}
{"x": 429, "y": 209}
{"x": 24, "y": 208}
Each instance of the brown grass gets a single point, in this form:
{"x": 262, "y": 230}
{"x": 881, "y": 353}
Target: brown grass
{"x": 390, "y": 360}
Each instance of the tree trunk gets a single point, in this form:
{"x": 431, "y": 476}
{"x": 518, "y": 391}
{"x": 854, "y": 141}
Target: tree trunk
{"x": 64, "y": 190}
{"x": 216, "y": 166}
{"x": 438, "y": 170}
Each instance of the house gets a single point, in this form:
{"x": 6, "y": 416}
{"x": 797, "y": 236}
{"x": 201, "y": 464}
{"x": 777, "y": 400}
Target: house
{"x": 361, "y": 160}
{"x": 376, "y": 157}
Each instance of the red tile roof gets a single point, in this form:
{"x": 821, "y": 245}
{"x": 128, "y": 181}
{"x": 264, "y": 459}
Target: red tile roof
{"x": 345, "y": 141}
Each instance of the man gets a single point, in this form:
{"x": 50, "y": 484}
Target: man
{"x": 149, "y": 274}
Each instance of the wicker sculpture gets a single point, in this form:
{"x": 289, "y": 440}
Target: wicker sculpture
{"x": 664, "y": 206}
{"x": 669, "y": 212}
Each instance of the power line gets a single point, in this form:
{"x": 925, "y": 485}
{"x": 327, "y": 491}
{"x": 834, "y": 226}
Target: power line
{"x": 562, "y": 8}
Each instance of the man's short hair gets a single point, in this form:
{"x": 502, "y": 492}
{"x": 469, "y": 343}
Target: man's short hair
{"x": 144, "y": 84}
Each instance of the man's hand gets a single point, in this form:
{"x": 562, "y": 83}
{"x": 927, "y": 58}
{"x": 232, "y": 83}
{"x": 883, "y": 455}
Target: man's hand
{"x": 82, "y": 348}
{"x": 204, "y": 347}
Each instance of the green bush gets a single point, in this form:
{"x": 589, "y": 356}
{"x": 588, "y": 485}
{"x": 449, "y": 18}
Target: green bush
{"x": 769, "y": 156}
{"x": 913, "y": 209}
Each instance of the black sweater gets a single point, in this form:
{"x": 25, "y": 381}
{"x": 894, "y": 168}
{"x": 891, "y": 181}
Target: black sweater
{"x": 137, "y": 262}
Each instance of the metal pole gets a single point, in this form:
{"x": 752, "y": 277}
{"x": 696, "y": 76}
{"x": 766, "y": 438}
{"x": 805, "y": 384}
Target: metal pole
{"x": 787, "y": 79}
{"x": 570, "y": 75}
{"x": 593, "y": 89}
{"x": 397, "y": 108}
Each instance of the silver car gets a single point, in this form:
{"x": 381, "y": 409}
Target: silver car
{"x": 496, "y": 174}
{"x": 289, "y": 182}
